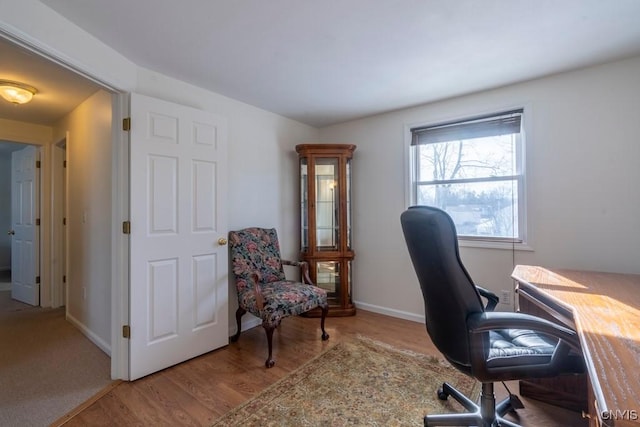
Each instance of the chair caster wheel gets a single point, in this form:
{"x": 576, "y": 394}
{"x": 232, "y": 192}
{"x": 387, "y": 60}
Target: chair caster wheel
{"x": 442, "y": 395}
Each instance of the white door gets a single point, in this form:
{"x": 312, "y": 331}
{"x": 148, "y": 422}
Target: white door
{"x": 178, "y": 287}
{"x": 24, "y": 239}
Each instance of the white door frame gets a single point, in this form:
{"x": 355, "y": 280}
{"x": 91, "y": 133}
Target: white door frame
{"x": 59, "y": 244}
{"x": 119, "y": 189}
{"x": 119, "y": 240}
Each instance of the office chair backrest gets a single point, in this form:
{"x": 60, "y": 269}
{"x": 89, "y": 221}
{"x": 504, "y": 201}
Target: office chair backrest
{"x": 448, "y": 291}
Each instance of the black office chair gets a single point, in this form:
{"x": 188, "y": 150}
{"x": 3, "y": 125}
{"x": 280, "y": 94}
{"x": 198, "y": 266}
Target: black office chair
{"x": 489, "y": 346}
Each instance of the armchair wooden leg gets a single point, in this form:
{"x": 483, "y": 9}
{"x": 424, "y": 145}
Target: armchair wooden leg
{"x": 325, "y": 310}
{"x": 239, "y": 313}
{"x": 269, "y": 330}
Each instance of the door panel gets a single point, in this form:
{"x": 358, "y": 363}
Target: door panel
{"x": 24, "y": 242}
{"x": 178, "y": 269}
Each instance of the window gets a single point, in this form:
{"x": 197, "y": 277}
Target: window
{"x": 473, "y": 170}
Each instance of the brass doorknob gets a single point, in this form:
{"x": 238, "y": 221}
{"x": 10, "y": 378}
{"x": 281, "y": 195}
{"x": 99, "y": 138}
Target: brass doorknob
{"x": 222, "y": 241}
{"x": 11, "y": 232}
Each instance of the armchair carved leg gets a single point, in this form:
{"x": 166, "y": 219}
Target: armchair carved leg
{"x": 325, "y": 310}
{"x": 269, "y": 330}
{"x": 239, "y": 313}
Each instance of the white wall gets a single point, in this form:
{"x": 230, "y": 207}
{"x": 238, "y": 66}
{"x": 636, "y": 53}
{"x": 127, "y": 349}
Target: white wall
{"x": 582, "y": 158}
{"x": 89, "y": 215}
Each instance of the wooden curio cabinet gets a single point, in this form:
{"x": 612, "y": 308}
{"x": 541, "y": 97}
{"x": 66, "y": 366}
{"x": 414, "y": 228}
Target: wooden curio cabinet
{"x": 325, "y": 221}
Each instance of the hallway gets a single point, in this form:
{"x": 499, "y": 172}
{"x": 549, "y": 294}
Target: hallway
{"x": 48, "y": 367}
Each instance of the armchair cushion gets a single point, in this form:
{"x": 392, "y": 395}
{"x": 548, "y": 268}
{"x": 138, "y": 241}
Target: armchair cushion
{"x": 281, "y": 299}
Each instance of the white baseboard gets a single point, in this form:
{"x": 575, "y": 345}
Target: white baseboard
{"x": 102, "y": 345}
{"x": 253, "y": 321}
{"x": 419, "y": 318}
{"x": 248, "y": 321}
{"x": 411, "y": 316}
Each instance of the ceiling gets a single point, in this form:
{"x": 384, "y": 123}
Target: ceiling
{"x": 331, "y": 61}
{"x": 59, "y": 89}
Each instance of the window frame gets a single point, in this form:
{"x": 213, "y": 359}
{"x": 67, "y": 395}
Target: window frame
{"x": 520, "y": 242}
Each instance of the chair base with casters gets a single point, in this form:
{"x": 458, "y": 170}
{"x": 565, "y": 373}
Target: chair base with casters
{"x": 484, "y": 414}
{"x": 262, "y": 287}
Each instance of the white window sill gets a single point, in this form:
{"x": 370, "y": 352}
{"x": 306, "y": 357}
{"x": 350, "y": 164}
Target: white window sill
{"x": 486, "y": 244}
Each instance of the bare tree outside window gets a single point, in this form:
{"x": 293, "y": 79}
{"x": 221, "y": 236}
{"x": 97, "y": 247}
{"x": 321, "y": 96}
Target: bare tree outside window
{"x": 477, "y": 180}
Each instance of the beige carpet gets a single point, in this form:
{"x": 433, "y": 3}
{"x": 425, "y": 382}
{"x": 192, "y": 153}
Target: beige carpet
{"x": 47, "y": 366}
{"x": 358, "y": 383}
{"x": 5, "y": 280}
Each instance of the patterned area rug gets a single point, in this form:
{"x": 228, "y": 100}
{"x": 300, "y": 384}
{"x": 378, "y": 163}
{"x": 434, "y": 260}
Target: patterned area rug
{"x": 357, "y": 383}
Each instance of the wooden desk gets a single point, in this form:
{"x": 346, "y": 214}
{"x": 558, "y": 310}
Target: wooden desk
{"x": 604, "y": 309}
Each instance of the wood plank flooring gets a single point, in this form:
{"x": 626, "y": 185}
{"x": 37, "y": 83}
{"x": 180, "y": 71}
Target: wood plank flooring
{"x": 197, "y": 392}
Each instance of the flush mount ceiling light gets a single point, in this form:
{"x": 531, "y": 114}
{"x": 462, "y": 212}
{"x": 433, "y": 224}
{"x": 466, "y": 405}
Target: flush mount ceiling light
{"x": 15, "y": 92}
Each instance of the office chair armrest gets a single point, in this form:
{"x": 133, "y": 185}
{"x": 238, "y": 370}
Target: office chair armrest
{"x": 492, "y": 299}
{"x": 480, "y": 324}
{"x": 491, "y": 321}
{"x": 304, "y": 270}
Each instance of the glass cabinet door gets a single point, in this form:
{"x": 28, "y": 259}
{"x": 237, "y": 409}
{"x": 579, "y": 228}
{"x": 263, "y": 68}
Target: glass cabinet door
{"x": 327, "y": 195}
{"x": 328, "y": 277}
{"x": 348, "y": 173}
{"x": 304, "y": 205}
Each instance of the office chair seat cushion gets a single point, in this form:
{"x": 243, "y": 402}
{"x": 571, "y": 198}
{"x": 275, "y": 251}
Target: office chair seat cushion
{"x": 522, "y": 347}
{"x": 281, "y": 299}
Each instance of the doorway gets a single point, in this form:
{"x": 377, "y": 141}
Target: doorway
{"x": 25, "y": 225}
{"x": 51, "y": 290}
{"x": 96, "y": 297}
{"x": 45, "y": 353}
{"x": 46, "y": 124}
{"x": 59, "y": 220}
{"x": 14, "y": 269}
{"x": 6, "y": 148}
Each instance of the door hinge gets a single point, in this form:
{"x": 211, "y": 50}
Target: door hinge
{"x": 64, "y": 164}
{"x": 126, "y": 331}
{"x": 64, "y": 278}
{"x": 37, "y": 279}
{"x": 64, "y": 221}
{"x": 38, "y": 164}
{"x": 126, "y": 227}
{"x": 126, "y": 123}
{"x": 37, "y": 221}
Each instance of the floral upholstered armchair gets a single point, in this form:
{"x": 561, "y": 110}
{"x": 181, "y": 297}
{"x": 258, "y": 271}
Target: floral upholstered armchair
{"x": 262, "y": 287}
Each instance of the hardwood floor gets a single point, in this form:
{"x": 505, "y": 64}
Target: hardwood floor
{"x": 198, "y": 391}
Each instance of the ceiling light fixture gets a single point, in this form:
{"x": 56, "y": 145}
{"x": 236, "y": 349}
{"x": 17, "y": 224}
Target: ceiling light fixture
{"x": 15, "y": 92}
